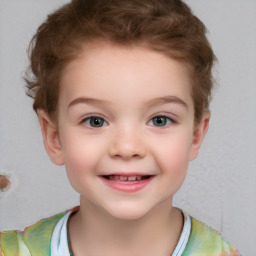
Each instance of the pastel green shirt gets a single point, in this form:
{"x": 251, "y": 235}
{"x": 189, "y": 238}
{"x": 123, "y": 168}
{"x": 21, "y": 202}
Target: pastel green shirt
{"x": 35, "y": 240}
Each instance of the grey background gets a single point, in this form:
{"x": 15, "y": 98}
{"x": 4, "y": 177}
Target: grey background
{"x": 220, "y": 188}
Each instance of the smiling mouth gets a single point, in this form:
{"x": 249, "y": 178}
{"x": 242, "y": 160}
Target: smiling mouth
{"x": 127, "y": 179}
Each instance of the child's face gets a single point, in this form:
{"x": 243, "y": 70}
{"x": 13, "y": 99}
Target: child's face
{"x": 125, "y": 112}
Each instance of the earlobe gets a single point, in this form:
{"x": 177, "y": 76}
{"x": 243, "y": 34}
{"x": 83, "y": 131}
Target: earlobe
{"x": 50, "y": 137}
{"x": 199, "y": 134}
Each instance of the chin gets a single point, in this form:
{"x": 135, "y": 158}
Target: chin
{"x": 127, "y": 212}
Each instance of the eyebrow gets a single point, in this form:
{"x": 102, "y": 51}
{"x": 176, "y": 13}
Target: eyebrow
{"x": 168, "y": 99}
{"x": 87, "y": 100}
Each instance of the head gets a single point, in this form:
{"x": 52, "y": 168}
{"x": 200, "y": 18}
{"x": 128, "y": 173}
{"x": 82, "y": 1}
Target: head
{"x": 122, "y": 90}
{"x": 166, "y": 26}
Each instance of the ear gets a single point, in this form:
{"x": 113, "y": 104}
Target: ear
{"x": 199, "y": 134}
{"x": 50, "y": 137}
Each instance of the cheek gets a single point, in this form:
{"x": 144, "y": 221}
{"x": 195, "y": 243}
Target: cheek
{"x": 175, "y": 151}
{"x": 173, "y": 161}
{"x": 81, "y": 157}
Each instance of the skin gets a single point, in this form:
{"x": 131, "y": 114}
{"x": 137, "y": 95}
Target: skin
{"x": 126, "y": 88}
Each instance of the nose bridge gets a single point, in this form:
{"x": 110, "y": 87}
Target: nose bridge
{"x": 127, "y": 142}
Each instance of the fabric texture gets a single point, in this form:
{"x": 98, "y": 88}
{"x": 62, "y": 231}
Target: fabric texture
{"x": 36, "y": 239}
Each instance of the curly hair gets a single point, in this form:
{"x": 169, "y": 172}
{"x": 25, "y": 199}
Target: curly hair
{"x": 168, "y": 26}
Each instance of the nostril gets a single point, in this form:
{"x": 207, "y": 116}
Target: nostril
{"x": 4, "y": 183}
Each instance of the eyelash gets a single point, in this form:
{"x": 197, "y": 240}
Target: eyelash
{"x": 103, "y": 122}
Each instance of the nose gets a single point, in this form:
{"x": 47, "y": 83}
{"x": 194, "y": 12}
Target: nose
{"x": 127, "y": 143}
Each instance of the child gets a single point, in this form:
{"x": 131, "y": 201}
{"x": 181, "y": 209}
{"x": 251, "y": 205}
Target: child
{"x": 121, "y": 90}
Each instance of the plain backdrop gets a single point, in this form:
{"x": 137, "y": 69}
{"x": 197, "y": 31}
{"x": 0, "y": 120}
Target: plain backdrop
{"x": 220, "y": 188}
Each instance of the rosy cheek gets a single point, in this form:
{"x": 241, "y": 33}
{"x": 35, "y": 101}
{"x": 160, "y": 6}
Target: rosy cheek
{"x": 80, "y": 156}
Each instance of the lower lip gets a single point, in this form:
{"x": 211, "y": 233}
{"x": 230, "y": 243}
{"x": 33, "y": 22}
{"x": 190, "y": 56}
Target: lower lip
{"x": 127, "y": 187}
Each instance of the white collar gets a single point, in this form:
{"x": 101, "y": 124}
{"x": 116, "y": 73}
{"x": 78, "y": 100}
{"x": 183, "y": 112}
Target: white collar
{"x": 59, "y": 241}
{"x": 184, "y": 237}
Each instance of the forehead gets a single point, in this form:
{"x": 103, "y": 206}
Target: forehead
{"x": 108, "y": 70}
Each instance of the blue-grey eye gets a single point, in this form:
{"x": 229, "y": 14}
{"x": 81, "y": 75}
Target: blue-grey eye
{"x": 160, "y": 121}
{"x": 95, "y": 121}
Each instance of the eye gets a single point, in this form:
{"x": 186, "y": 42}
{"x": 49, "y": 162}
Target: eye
{"x": 95, "y": 121}
{"x": 161, "y": 121}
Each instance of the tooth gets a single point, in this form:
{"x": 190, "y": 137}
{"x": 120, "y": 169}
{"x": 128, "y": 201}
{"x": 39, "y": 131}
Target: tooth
{"x": 138, "y": 177}
{"x": 123, "y": 178}
{"x": 132, "y": 178}
{"x": 111, "y": 177}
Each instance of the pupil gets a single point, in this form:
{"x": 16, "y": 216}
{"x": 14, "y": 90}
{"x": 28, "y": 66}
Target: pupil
{"x": 159, "y": 121}
{"x": 98, "y": 122}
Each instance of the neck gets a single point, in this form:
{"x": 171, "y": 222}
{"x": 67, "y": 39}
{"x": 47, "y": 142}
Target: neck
{"x": 93, "y": 231}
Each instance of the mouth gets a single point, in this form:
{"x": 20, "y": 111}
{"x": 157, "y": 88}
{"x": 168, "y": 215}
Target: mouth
{"x": 127, "y": 183}
{"x": 127, "y": 179}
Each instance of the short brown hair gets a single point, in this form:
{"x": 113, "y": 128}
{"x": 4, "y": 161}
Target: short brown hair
{"x": 168, "y": 26}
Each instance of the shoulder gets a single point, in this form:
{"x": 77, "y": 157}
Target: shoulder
{"x": 34, "y": 240}
{"x": 203, "y": 240}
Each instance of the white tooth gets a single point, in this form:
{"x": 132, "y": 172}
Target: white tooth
{"x": 132, "y": 178}
{"x": 123, "y": 178}
{"x": 138, "y": 177}
{"x": 112, "y": 177}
